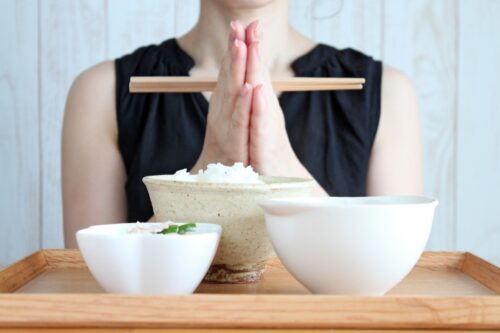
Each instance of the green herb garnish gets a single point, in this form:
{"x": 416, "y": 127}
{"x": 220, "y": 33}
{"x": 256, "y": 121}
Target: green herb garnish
{"x": 179, "y": 229}
{"x": 188, "y": 227}
{"x": 172, "y": 229}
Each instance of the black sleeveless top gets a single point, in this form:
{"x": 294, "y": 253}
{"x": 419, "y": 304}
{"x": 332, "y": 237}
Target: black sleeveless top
{"x": 331, "y": 132}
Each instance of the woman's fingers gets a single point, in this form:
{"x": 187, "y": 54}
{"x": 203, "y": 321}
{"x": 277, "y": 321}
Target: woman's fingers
{"x": 238, "y": 64}
{"x": 257, "y": 133}
{"x": 241, "y": 114}
{"x": 232, "y": 73}
{"x": 254, "y": 70}
{"x": 253, "y": 32}
{"x": 238, "y": 51}
{"x": 258, "y": 123}
{"x": 240, "y": 120}
{"x": 256, "y": 73}
{"x": 228, "y": 124}
{"x": 236, "y": 31}
{"x": 234, "y": 62}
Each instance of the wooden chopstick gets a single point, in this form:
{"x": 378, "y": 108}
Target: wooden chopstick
{"x": 157, "y": 84}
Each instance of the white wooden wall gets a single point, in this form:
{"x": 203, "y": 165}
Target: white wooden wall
{"x": 450, "y": 49}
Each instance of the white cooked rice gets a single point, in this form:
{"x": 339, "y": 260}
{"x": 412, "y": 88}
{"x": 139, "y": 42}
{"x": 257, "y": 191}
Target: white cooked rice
{"x": 148, "y": 228}
{"x": 220, "y": 173}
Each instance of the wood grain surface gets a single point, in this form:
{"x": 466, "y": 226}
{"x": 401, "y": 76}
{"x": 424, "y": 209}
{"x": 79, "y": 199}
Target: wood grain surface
{"x": 71, "y": 41}
{"x": 17, "y": 275}
{"x": 446, "y": 47}
{"x": 436, "y": 274}
{"x": 420, "y": 38}
{"x": 437, "y": 294}
{"x": 483, "y": 271}
{"x": 355, "y": 24}
{"x": 478, "y": 129}
{"x": 248, "y": 311}
{"x": 19, "y": 130}
{"x": 155, "y": 84}
{"x": 153, "y": 330}
{"x": 150, "y": 26}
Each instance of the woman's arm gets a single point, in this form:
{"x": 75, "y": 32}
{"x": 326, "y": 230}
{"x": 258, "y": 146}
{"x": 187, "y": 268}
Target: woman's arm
{"x": 396, "y": 158}
{"x": 93, "y": 174}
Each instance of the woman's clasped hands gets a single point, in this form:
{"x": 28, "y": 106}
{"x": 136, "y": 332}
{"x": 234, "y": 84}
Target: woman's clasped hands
{"x": 245, "y": 121}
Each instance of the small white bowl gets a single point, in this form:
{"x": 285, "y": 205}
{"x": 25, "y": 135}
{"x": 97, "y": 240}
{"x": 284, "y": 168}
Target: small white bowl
{"x": 148, "y": 263}
{"x": 353, "y": 246}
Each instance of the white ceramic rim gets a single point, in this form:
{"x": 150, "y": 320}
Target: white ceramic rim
{"x": 93, "y": 230}
{"x": 351, "y": 202}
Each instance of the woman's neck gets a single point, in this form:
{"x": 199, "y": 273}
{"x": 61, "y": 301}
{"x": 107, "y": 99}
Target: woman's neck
{"x": 207, "y": 41}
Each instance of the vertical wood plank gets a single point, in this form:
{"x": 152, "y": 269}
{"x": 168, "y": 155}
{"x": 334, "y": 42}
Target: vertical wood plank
{"x": 132, "y": 24}
{"x": 19, "y": 150}
{"x": 72, "y": 39}
{"x": 420, "y": 39}
{"x": 478, "y": 155}
{"x": 186, "y": 15}
{"x": 344, "y": 23}
{"x": 300, "y": 16}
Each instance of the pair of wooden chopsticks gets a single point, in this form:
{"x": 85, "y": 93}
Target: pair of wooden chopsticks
{"x": 160, "y": 84}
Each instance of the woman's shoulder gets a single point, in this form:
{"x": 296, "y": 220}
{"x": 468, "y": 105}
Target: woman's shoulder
{"x": 90, "y": 109}
{"x": 133, "y": 61}
{"x": 360, "y": 107}
{"x": 152, "y": 59}
{"x": 360, "y": 63}
{"x": 329, "y": 61}
{"x": 95, "y": 85}
{"x": 165, "y": 59}
{"x": 345, "y": 54}
{"x": 142, "y": 54}
{"x": 351, "y": 59}
{"x": 91, "y": 99}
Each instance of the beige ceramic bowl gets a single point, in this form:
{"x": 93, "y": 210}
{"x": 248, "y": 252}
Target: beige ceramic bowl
{"x": 244, "y": 247}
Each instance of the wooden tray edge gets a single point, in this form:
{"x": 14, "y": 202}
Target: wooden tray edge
{"x": 23, "y": 271}
{"x": 437, "y": 260}
{"x": 64, "y": 258}
{"x": 18, "y": 274}
{"x": 250, "y": 312}
{"x": 482, "y": 271}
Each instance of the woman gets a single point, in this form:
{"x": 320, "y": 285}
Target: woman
{"x": 351, "y": 142}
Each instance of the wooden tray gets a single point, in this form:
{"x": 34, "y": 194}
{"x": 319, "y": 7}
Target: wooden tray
{"x": 446, "y": 290}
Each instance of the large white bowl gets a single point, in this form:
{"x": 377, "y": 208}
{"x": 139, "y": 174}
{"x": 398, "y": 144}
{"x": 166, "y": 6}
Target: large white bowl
{"x": 355, "y": 246}
{"x": 148, "y": 263}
